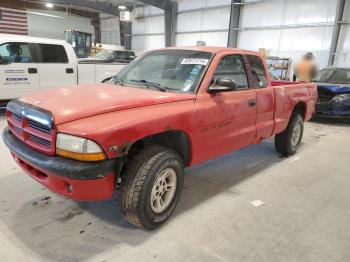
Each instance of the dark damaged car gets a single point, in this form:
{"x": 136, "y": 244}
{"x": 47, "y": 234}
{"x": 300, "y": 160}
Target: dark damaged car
{"x": 333, "y": 92}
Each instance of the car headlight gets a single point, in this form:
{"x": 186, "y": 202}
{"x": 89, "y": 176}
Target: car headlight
{"x": 341, "y": 98}
{"x": 78, "y": 148}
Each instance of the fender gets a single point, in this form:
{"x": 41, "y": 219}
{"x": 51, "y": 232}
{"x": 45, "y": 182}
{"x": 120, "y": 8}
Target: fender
{"x": 121, "y": 129}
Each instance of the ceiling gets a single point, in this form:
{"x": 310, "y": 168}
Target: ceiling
{"x": 123, "y": 2}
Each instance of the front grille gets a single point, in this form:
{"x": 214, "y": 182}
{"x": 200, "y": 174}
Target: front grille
{"x": 40, "y": 140}
{"x": 17, "y": 117}
{"x": 32, "y": 126}
{"x": 39, "y": 126}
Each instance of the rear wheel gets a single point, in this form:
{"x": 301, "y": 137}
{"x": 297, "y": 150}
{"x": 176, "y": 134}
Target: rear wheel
{"x": 151, "y": 187}
{"x": 288, "y": 142}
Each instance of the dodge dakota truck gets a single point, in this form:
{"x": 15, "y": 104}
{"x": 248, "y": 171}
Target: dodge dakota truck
{"x": 169, "y": 109}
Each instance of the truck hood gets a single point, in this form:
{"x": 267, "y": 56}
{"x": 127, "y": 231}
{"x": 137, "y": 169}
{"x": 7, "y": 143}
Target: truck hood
{"x": 72, "y": 103}
{"x": 334, "y": 88}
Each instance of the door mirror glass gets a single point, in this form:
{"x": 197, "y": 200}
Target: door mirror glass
{"x": 223, "y": 85}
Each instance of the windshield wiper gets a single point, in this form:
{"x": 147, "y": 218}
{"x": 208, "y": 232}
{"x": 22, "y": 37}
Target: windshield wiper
{"x": 150, "y": 84}
{"x": 118, "y": 81}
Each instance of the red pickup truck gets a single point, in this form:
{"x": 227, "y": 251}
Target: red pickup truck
{"x": 169, "y": 109}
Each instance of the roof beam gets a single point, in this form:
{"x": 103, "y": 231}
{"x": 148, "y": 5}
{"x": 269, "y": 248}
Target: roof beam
{"x": 101, "y": 7}
{"x": 162, "y": 4}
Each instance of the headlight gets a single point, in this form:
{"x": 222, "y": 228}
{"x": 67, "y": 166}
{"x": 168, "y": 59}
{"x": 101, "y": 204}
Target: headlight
{"x": 341, "y": 98}
{"x": 78, "y": 148}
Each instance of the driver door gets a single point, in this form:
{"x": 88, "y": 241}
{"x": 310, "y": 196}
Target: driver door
{"x": 226, "y": 120}
{"x": 19, "y": 75}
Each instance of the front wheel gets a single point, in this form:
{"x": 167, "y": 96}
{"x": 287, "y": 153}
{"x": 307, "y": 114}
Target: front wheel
{"x": 288, "y": 142}
{"x": 151, "y": 187}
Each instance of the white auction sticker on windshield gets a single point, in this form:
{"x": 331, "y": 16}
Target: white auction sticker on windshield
{"x": 194, "y": 61}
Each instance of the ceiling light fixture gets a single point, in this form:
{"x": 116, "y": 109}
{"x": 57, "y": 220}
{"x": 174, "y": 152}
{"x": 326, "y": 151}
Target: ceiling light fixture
{"x": 49, "y": 5}
{"x": 122, "y": 7}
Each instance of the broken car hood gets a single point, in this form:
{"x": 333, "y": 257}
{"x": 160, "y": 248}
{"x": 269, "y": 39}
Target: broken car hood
{"x": 334, "y": 88}
{"x": 69, "y": 104}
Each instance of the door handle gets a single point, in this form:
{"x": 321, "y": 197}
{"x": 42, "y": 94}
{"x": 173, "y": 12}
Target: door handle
{"x": 32, "y": 71}
{"x": 251, "y": 102}
{"x": 69, "y": 70}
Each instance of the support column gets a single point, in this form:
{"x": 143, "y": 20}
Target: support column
{"x": 127, "y": 34}
{"x": 234, "y": 23}
{"x": 336, "y": 31}
{"x": 170, "y": 20}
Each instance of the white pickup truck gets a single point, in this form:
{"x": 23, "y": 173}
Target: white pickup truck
{"x": 29, "y": 64}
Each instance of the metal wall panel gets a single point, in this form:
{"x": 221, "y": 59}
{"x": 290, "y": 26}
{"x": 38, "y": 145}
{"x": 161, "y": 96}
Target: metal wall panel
{"x": 311, "y": 21}
{"x": 52, "y": 27}
{"x": 149, "y": 42}
{"x": 195, "y": 4}
{"x": 147, "y": 29}
{"x": 209, "y": 23}
{"x": 211, "y": 39}
{"x": 149, "y": 25}
{"x": 204, "y": 20}
{"x": 264, "y": 14}
{"x": 110, "y": 29}
{"x": 310, "y": 11}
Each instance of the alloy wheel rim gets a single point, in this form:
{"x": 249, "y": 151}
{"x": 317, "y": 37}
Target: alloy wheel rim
{"x": 296, "y": 134}
{"x": 163, "y": 190}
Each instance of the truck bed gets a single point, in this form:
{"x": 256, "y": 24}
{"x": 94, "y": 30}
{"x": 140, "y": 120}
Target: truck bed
{"x": 287, "y": 95}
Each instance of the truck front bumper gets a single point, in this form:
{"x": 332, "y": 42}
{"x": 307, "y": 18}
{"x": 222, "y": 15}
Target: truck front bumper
{"x": 83, "y": 181}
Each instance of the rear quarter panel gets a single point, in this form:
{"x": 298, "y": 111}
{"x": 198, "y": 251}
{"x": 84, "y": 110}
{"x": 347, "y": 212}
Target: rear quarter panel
{"x": 287, "y": 96}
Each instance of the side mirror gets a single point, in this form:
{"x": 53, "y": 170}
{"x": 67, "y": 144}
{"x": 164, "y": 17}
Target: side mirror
{"x": 222, "y": 85}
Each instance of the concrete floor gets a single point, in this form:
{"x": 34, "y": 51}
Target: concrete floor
{"x": 306, "y": 216}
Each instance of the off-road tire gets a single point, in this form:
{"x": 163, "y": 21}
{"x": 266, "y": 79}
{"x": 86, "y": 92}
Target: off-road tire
{"x": 137, "y": 183}
{"x": 283, "y": 141}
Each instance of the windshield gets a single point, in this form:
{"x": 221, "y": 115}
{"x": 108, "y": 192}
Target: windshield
{"x": 104, "y": 54}
{"x": 337, "y": 76}
{"x": 176, "y": 70}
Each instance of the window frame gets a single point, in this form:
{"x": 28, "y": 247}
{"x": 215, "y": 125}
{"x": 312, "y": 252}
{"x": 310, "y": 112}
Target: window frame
{"x": 250, "y": 72}
{"x": 245, "y": 70}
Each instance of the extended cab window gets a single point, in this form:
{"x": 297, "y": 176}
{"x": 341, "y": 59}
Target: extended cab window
{"x": 15, "y": 53}
{"x": 258, "y": 71}
{"x": 53, "y": 54}
{"x": 232, "y": 67}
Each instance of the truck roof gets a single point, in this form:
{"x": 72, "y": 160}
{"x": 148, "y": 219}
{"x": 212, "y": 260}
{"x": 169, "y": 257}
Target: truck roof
{"x": 29, "y": 39}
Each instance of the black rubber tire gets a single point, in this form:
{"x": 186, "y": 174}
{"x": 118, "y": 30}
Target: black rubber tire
{"x": 283, "y": 141}
{"x": 137, "y": 183}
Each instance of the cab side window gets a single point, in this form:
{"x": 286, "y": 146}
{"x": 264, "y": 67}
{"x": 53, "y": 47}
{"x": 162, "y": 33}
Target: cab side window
{"x": 129, "y": 55}
{"x": 53, "y": 54}
{"x": 232, "y": 67}
{"x": 119, "y": 55}
{"x": 258, "y": 71}
{"x": 15, "y": 53}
